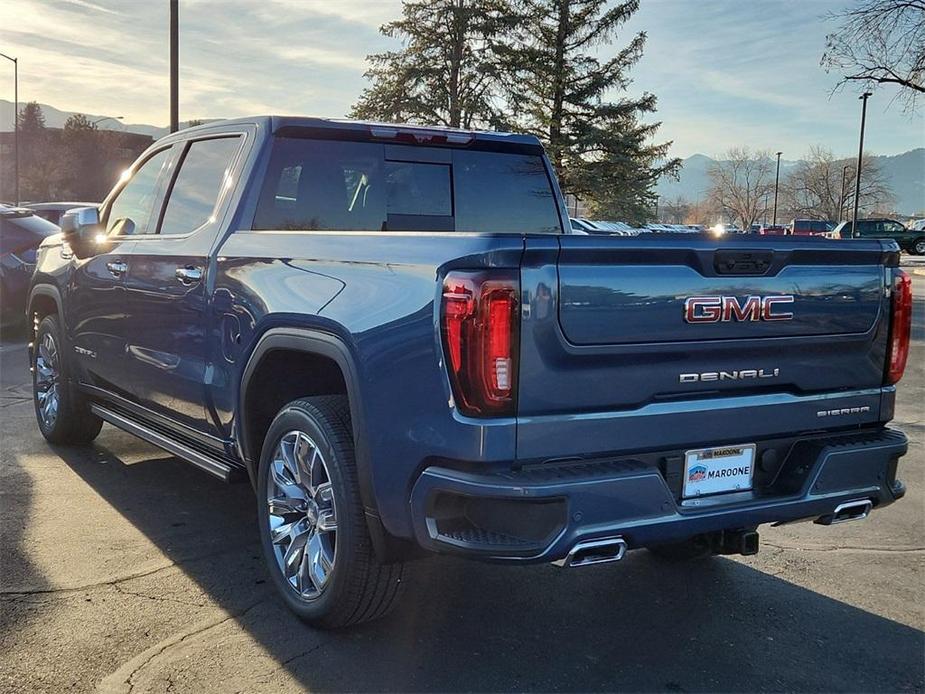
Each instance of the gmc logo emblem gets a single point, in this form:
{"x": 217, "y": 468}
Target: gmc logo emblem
{"x": 724, "y": 309}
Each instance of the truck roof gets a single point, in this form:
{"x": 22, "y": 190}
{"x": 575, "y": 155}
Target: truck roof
{"x": 423, "y": 134}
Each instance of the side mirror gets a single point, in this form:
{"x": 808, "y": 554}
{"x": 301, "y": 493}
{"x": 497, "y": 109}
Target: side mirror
{"x": 81, "y": 229}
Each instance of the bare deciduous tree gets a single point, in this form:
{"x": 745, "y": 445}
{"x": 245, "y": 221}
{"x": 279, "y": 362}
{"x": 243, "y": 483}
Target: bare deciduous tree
{"x": 742, "y": 184}
{"x": 676, "y": 210}
{"x": 881, "y": 42}
{"x": 822, "y": 187}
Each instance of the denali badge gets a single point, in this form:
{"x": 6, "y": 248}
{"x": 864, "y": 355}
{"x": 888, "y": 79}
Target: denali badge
{"x": 724, "y": 309}
{"x": 742, "y": 375}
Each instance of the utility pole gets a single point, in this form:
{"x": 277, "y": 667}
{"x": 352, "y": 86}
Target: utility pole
{"x": 857, "y": 176}
{"x": 15, "y": 121}
{"x": 776, "y": 186}
{"x": 174, "y": 66}
{"x": 843, "y": 201}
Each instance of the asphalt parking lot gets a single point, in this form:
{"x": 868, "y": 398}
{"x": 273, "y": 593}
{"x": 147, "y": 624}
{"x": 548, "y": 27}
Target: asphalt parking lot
{"x": 124, "y": 569}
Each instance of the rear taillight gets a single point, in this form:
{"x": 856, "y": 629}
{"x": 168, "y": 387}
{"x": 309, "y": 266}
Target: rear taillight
{"x": 900, "y": 326}
{"x": 479, "y": 324}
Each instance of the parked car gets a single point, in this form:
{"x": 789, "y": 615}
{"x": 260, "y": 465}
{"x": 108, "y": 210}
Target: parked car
{"x": 21, "y": 232}
{"x": 722, "y": 229}
{"x": 810, "y": 227}
{"x": 909, "y": 240}
{"x": 773, "y": 230}
{"x": 52, "y": 211}
{"x": 614, "y": 228}
{"x": 917, "y": 225}
{"x": 583, "y": 225}
{"x": 297, "y": 308}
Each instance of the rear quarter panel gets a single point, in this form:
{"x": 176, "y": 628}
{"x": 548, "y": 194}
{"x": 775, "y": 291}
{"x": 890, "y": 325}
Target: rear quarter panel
{"x": 378, "y": 294}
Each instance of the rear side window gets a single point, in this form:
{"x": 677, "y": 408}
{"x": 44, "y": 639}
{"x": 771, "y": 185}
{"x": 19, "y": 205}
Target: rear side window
{"x": 362, "y": 186}
{"x": 198, "y": 184}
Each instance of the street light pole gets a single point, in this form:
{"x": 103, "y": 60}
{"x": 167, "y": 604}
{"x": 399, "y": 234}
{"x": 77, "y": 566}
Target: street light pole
{"x": 843, "y": 201}
{"x": 857, "y": 174}
{"x": 15, "y": 120}
{"x": 776, "y": 186}
{"x": 174, "y": 66}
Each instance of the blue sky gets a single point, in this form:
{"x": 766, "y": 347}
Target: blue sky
{"x": 726, "y": 72}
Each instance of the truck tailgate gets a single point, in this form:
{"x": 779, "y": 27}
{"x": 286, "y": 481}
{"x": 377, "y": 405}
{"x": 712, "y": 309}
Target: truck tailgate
{"x": 670, "y": 324}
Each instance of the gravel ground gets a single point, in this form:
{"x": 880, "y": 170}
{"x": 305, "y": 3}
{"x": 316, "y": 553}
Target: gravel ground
{"x": 124, "y": 569}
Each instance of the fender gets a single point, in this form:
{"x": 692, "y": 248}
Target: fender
{"x": 54, "y": 294}
{"x": 51, "y": 291}
{"x": 323, "y": 344}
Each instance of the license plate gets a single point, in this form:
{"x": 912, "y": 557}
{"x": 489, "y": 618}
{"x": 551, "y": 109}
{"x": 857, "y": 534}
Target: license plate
{"x": 718, "y": 470}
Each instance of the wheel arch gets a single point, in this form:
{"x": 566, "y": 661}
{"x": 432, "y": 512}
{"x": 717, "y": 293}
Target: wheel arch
{"x": 313, "y": 344}
{"x": 46, "y": 300}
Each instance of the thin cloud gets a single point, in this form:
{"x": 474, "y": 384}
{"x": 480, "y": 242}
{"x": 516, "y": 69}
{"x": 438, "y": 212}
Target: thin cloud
{"x": 725, "y": 73}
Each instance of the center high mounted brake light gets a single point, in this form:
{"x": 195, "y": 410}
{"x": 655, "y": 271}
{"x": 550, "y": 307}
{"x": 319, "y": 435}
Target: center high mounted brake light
{"x": 432, "y": 136}
{"x": 479, "y": 326}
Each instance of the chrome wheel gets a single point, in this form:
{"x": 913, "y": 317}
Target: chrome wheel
{"x": 302, "y": 514}
{"x": 47, "y": 379}
{"x": 920, "y": 247}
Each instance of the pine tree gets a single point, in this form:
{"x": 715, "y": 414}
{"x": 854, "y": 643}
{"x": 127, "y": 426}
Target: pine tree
{"x": 31, "y": 120}
{"x": 558, "y": 91}
{"x": 40, "y": 168}
{"x": 84, "y": 154}
{"x": 446, "y": 73}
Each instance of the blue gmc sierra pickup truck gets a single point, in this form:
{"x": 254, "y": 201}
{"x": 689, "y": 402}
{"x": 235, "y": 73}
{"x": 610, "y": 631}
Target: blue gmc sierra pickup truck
{"x": 394, "y": 334}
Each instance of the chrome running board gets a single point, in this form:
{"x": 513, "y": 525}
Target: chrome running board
{"x": 214, "y": 467}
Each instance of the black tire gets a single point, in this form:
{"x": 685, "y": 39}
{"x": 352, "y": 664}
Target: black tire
{"x": 73, "y": 423}
{"x": 358, "y": 587}
{"x": 691, "y": 549}
{"x": 918, "y": 246}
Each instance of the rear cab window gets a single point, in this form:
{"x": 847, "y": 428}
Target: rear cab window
{"x": 366, "y": 186}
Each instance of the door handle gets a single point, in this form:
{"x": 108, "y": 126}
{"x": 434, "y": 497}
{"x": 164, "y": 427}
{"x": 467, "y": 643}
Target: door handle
{"x": 189, "y": 275}
{"x": 116, "y": 268}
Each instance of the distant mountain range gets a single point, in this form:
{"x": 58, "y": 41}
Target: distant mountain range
{"x": 905, "y": 172}
{"x": 55, "y": 118}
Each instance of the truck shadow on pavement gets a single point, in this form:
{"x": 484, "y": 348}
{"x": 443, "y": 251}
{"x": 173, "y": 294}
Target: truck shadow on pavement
{"x": 638, "y": 625}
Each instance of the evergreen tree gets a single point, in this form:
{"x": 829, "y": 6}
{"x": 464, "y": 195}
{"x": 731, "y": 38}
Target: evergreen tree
{"x": 31, "y": 120}
{"x": 85, "y": 154}
{"x": 446, "y": 73}
{"x": 32, "y": 137}
{"x": 558, "y": 90}
{"x": 39, "y": 169}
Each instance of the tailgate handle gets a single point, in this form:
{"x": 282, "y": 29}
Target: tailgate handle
{"x": 742, "y": 262}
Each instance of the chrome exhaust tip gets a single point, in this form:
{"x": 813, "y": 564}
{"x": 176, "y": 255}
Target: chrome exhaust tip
{"x": 848, "y": 511}
{"x": 600, "y": 551}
